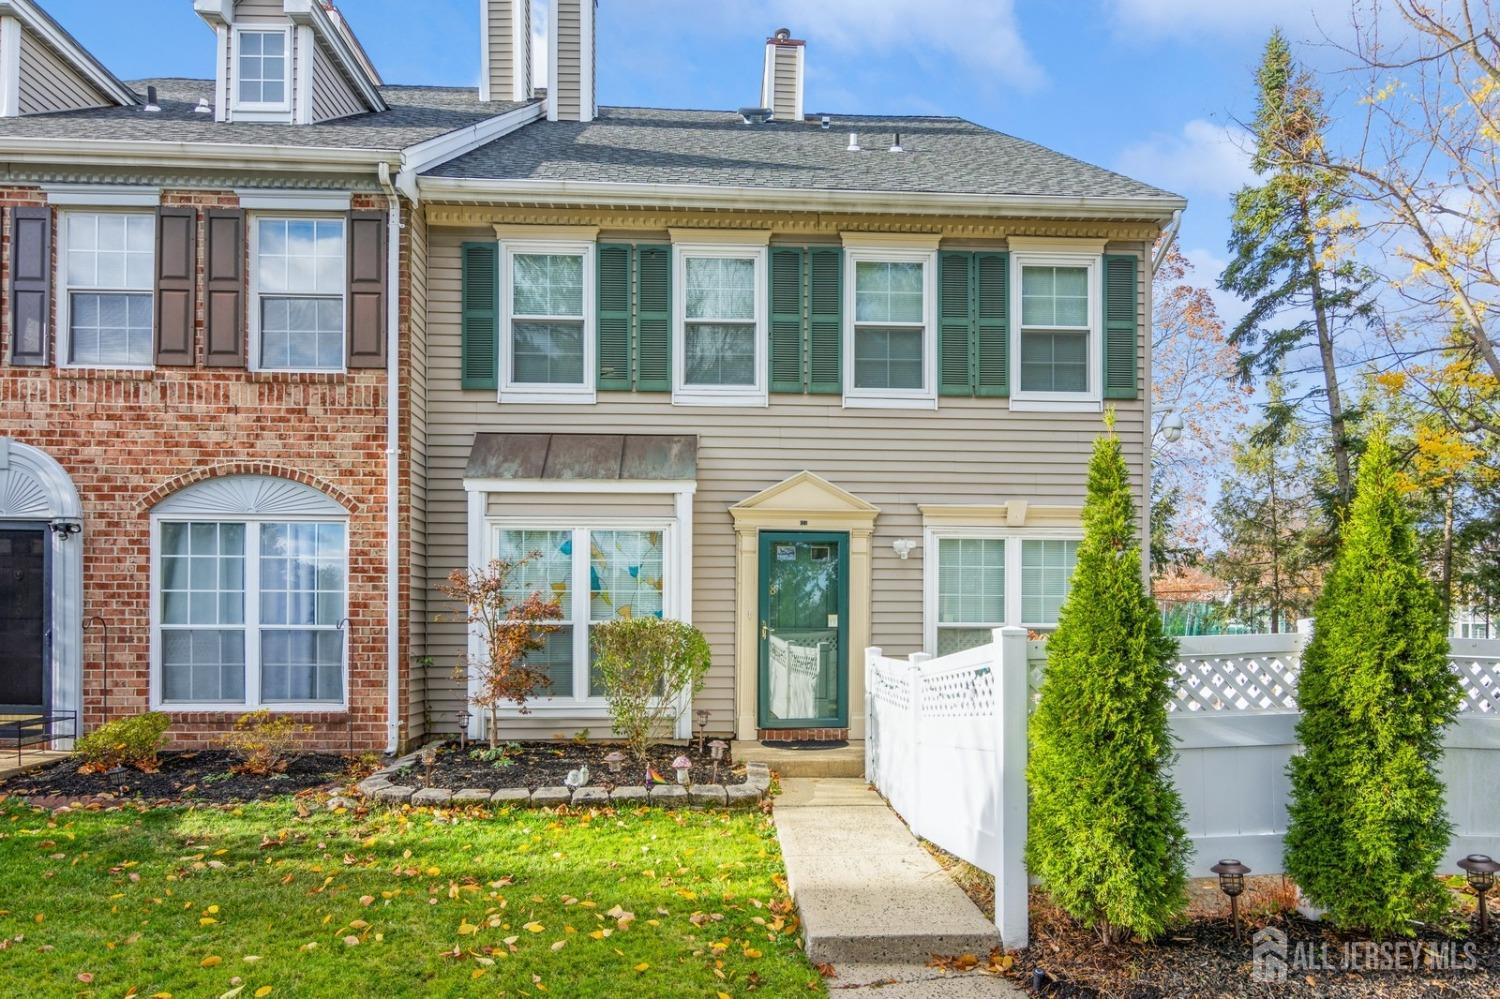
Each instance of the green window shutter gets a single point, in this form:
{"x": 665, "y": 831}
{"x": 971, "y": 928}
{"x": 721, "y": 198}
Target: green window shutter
{"x": 786, "y": 319}
{"x": 825, "y": 320}
{"x": 653, "y": 319}
{"x": 955, "y": 321}
{"x": 479, "y": 334}
{"x": 1119, "y": 326}
{"x": 613, "y": 315}
{"x": 992, "y": 324}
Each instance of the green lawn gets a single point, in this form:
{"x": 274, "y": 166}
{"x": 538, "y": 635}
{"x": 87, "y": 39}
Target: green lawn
{"x": 198, "y": 902}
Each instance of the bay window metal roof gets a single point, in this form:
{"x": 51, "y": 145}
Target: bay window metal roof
{"x": 590, "y": 457}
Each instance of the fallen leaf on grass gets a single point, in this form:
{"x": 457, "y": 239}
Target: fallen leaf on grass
{"x": 643, "y": 966}
{"x": 212, "y": 960}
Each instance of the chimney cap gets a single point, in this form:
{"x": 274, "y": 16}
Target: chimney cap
{"x": 783, "y": 36}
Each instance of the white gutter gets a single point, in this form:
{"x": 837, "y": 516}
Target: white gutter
{"x": 392, "y": 464}
{"x": 1168, "y": 238}
{"x": 426, "y": 155}
{"x": 466, "y": 190}
{"x": 187, "y": 155}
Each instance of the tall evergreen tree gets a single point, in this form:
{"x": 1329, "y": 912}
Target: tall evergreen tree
{"x": 1367, "y": 825}
{"x": 1107, "y": 838}
{"x": 1286, "y": 241}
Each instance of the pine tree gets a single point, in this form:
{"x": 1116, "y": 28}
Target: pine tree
{"x": 1288, "y": 236}
{"x": 1367, "y": 824}
{"x": 1107, "y": 839}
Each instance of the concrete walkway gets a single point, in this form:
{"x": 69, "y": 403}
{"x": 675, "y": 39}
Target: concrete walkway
{"x": 874, "y": 903}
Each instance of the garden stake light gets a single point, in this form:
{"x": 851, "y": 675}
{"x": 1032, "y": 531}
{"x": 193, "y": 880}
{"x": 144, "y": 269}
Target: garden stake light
{"x": 701, "y": 716}
{"x": 716, "y": 748}
{"x": 1232, "y": 882}
{"x": 615, "y": 761}
{"x": 682, "y": 765}
{"x": 429, "y": 760}
{"x": 1481, "y": 873}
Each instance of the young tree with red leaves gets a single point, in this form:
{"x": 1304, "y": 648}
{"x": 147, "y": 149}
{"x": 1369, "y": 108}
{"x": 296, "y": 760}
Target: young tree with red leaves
{"x": 510, "y": 630}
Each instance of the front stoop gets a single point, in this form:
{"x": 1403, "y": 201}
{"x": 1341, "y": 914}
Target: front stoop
{"x": 845, "y": 761}
{"x": 867, "y": 890}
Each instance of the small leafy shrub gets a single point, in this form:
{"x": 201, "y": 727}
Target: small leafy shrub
{"x": 263, "y": 741}
{"x": 129, "y": 742}
{"x": 499, "y": 757}
{"x": 651, "y": 669}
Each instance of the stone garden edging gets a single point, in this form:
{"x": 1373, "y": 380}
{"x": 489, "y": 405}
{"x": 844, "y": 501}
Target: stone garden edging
{"x": 379, "y": 787}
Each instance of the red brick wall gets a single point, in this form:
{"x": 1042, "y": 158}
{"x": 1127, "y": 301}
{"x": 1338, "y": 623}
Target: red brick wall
{"x": 128, "y": 438}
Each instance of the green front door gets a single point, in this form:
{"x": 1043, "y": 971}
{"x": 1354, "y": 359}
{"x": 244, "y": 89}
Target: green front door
{"x": 804, "y": 614}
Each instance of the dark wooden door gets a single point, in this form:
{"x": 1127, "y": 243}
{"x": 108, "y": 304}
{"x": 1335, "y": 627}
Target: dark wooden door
{"x": 23, "y": 618}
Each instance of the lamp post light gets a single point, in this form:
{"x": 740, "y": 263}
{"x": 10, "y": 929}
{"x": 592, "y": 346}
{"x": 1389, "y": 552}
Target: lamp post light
{"x": 1481, "y": 873}
{"x": 1232, "y": 882}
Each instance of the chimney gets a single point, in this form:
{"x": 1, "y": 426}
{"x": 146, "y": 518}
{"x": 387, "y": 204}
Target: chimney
{"x": 505, "y": 50}
{"x": 571, "y": 94}
{"x": 781, "y": 85}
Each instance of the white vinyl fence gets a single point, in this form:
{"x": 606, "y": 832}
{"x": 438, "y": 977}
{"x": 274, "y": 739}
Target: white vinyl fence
{"x": 946, "y": 746}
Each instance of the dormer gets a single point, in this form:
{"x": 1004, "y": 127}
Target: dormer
{"x": 293, "y": 61}
{"x": 44, "y": 69}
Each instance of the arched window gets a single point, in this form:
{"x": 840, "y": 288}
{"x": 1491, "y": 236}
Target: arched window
{"x": 250, "y": 592}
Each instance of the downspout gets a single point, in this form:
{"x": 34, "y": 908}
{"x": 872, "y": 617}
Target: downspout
{"x": 1168, "y": 239}
{"x": 392, "y": 462}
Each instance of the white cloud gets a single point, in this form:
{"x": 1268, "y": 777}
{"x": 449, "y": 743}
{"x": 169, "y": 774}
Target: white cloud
{"x": 1203, "y": 159}
{"x": 984, "y": 36}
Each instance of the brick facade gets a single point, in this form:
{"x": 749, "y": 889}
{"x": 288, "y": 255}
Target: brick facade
{"x": 130, "y": 438}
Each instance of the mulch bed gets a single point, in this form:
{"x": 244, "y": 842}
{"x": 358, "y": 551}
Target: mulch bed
{"x": 545, "y": 764}
{"x": 203, "y": 776}
{"x": 1203, "y": 958}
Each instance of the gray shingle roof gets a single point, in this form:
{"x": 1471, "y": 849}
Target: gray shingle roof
{"x": 416, "y": 114}
{"x": 652, "y": 146}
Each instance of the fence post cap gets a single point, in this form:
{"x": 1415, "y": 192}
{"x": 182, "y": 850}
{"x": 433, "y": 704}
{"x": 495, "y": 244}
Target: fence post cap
{"x": 1011, "y": 631}
{"x": 919, "y": 657}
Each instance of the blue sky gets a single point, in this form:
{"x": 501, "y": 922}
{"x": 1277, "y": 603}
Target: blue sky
{"x": 1149, "y": 87}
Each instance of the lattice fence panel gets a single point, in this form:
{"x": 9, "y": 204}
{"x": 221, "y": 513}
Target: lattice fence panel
{"x": 1479, "y": 676}
{"x": 889, "y": 684}
{"x": 961, "y": 693}
{"x": 1235, "y": 684}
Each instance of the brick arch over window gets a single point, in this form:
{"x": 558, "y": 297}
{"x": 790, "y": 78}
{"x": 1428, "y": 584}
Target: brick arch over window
{"x": 248, "y": 468}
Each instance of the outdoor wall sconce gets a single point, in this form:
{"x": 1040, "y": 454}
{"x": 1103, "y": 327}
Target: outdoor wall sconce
{"x": 903, "y": 547}
{"x": 1232, "y": 882}
{"x": 1481, "y": 873}
{"x": 65, "y": 529}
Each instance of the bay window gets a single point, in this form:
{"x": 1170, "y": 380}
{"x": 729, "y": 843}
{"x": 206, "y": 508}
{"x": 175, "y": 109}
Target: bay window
{"x": 299, "y": 286}
{"x": 547, "y": 344}
{"x": 979, "y": 579}
{"x": 1057, "y": 351}
{"x": 107, "y": 305}
{"x": 720, "y": 331}
{"x": 890, "y": 340}
{"x": 595, "y": 575}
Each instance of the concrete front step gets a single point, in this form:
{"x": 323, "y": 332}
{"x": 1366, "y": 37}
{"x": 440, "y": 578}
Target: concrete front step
{"x": 867, "y": 891}
{"x": 845, "y": 761}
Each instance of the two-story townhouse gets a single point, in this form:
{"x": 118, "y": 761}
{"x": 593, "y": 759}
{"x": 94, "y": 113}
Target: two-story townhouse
{"x": 814, "y": 382}
{"x": 205, "y": 375}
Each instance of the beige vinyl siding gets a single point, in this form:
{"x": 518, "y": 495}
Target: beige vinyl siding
{"x": 503, "y": 56}
{"x": 333, "y": 97}
{"x": 48, "y": 83}
{"x": 784, "y": 83}
{"x": 569, "y": 58}
{"x": 415, "y": 383}
{"x": 968, "y": 451}
{"x": 259, "y": 10}
{"x": 261, "y": 15}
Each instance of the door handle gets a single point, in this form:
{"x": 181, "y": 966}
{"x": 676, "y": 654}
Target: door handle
{"x": 764, "y": 631}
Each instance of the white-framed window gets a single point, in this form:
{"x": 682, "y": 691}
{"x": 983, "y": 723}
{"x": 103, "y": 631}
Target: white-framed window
{"x": 596, "y": 574}
{"x": 547, "y": 306}
{"x": 890, "y": 343}
{"x": 249, "y": 612}
{"x": 1056, "y": 338}
{"x": 298, "y": 286}
{"x": 262, "y": 69}
{"x": 978, "y": 579}
{"x": 719, "y": 331}
{"x": 107, "y": 264}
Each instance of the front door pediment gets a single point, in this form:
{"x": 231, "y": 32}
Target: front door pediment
{"x": 804, "y": 497}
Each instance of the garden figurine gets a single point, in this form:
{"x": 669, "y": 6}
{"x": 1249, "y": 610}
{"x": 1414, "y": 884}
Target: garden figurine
{"x": 682, "y": 765}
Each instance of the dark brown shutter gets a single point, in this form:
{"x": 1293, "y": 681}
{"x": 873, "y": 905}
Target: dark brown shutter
{"x": 176, "y": 274}
{"x": 30, "y": 268}
{"x": 367, "y": 249}
{"x": 224, "y": 281}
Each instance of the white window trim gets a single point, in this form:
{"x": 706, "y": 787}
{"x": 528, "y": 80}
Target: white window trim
{"x": 881, "y": 398}
{"x": 261, "y": 110}
{"x": 532, "y": 392}
{"x": 1060, "y": 402}
{"x": 254, "y": 220}
{"x": 579, "y": 703}
{"x": 1012, "y": 538}
{"x": 252, "y": 701}
{"x": 65, "y": 291}
{"x": 684, "y": 394}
